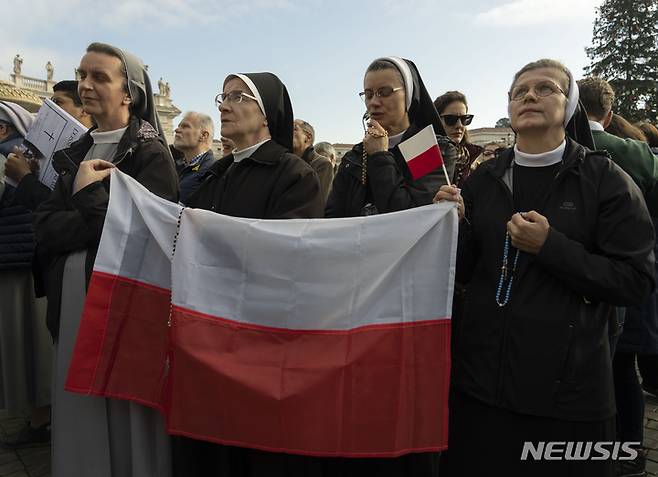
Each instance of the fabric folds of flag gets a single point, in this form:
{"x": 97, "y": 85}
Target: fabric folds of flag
{"x": 315, "y": 337}
{"x": 421, "y": 152}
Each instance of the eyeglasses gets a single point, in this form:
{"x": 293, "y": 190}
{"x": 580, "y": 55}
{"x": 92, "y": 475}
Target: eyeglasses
{"x": 383, "y": 92}
{"x": 451, "y": 119}
{"x": 541, "y": 90}
{"x": 232, "y": 97}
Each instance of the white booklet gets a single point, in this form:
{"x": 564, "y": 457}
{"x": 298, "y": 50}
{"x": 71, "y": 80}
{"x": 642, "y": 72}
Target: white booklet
{"x": 53, "y": 129}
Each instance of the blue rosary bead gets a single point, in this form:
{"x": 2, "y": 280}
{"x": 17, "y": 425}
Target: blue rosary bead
{"x": 503, "y": 274}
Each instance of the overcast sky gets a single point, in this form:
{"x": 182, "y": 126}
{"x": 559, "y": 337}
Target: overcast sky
{"x": 320, "y": 49}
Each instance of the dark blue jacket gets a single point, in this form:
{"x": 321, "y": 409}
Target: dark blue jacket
{"x": 16, "y": 232}
{"x": 191, "y": 177}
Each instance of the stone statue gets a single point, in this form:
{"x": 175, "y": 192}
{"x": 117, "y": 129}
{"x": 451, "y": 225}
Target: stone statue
{"x": 167, "y": 90}
{"x": 50, "y": 71}
{"x": 161, "y": 87}
{"x": 18, "y": 63}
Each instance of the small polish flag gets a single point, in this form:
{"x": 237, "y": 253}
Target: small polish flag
{"x": 422, "y": 153}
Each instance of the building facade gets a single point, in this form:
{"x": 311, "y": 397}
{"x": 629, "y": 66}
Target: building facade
{"x": 30, "y": 93}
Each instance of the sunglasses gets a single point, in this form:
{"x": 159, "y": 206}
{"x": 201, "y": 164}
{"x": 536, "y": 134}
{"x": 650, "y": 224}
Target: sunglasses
{"x": 451, "y": 119}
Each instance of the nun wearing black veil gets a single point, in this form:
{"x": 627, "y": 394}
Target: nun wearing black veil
{"x": 261, "y": 178}
{"x": 553, "y": 236}
{"x": 373, "y": 178}
{"x": 93, "y": 435}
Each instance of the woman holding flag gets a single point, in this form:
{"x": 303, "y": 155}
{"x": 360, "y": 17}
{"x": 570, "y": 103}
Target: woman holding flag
{"x": 553, "y": 235}
{"x": 94, "y": 435}
{"x": 373, "y": 177}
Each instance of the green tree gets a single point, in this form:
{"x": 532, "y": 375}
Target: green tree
{"x": 624, "y": 52}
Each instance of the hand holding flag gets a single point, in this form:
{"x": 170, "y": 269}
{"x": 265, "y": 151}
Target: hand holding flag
{"x": 91, "y": 171}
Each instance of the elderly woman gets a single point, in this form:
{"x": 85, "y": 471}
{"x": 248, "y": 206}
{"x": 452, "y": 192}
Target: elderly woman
{"x": 553, "y": 235}
{"x": 261, "y": 178}
{"x": 373, "y": 177}
{"x": 453, "y": 110}
{"x": 92, "y": 435}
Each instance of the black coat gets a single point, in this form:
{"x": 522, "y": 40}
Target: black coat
{"x": 546, "y": 352}
{"x": 271, "y": 184}
{"x": 66, "y": 223}
{"x": 389, "y": 186}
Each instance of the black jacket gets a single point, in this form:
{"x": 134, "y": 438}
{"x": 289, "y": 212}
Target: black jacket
{"x": 66, "y": 223}
{"x": 271, "y": 184}
{"x": 546, "y": 352}
{"x": 389, "y": 186}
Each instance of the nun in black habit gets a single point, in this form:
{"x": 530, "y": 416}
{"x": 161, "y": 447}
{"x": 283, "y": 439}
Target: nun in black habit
{"x": 93, "y": 435}
{"x": 553, "y": 236}
{"x": 261, "y": 178}
{"x": 378, "y": 181}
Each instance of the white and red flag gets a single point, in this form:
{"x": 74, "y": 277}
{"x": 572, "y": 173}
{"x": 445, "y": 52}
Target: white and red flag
{"x": 422, "y": 153}
{"x": 317, "y": 337}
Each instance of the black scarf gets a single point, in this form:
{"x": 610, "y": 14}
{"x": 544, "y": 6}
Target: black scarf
{"x": 421, "y": 110}
{"x": 578, "y": 128}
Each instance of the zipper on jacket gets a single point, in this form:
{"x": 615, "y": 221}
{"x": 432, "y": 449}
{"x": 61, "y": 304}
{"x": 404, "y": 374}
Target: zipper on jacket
{"x": 504, "y": 310}
{"x": 506, "y": 324}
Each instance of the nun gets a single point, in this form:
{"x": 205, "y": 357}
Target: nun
{"x": 553, "y": 236}
{"x": 373, "y": 177}
{"x": 93, "y": 435}
{"x": 261, "y": 178}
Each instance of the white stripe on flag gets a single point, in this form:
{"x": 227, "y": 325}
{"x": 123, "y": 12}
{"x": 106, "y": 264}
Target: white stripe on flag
{"x": 331, "y": 274}
{"x": 418, "y": 143}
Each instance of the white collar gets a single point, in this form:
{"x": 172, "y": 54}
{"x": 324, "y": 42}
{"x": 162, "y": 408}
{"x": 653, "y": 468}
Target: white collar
{"x": 539, "y": 160}
{"x": 395, "y": 140}
{"x": 108, "y": 137}
{"x": 247, "y": 152}
{"x": 596, "y": 126}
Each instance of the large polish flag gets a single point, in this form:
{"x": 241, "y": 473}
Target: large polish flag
{"x": 325, "y": 337}
{"x": 421, "y": 152}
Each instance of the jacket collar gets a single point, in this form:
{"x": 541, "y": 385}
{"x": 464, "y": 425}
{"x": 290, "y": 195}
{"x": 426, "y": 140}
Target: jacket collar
{"x": 307, "y": 155}
{"x": 138, "y": 131}
{"x": 269, "y": 154}
{"x": 574, "y": 154}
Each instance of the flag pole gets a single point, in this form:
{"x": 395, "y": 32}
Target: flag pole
{"x": 445, "y": 172}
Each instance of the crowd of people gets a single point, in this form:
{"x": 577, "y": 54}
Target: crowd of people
{"x": 555, "y": 305}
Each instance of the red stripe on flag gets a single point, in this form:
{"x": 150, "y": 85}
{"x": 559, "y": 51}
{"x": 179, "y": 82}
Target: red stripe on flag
{"x": 374, "y": 391}
{"x": 122, "y": 342}
{"x": 426, "y": 162}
